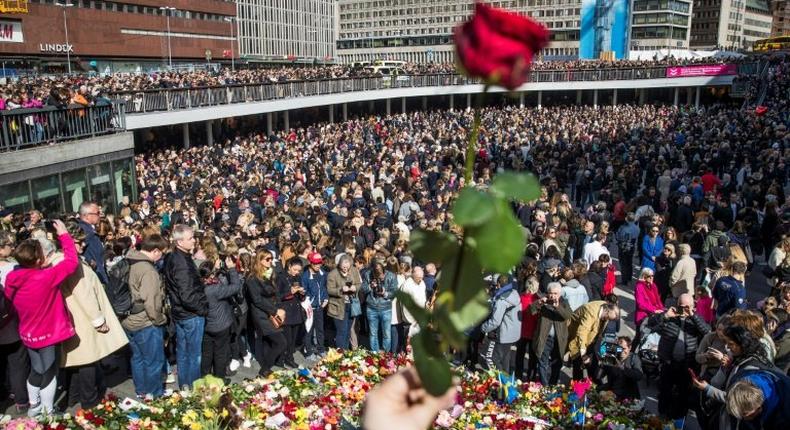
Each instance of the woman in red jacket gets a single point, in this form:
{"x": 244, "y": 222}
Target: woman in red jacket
{"x": 44, "y": 321}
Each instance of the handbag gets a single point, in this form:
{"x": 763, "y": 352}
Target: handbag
{"x": 276, "y": 321}
{"x": 356, "y": 307}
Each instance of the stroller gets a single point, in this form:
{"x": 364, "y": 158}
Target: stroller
{"x": 648, "y": 350}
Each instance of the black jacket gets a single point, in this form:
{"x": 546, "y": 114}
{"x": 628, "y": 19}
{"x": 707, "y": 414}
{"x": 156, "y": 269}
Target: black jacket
{"x": 184, "y": 287}
{"x": 263, "y": 302}
{"x": 623, "y": 379}
{"x": 220, "y": 311}
{"x": 294, "y": 315}
{"x": 669, "y": 329}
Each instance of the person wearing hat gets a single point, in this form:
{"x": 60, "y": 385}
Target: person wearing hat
{"x": 314, "y": 284}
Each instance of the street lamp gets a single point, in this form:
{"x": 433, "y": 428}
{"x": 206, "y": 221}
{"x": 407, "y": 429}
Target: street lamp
{"x": 168, "y": 10}
{"x": 230, "y": 19}
{"x": 66, "y": 29}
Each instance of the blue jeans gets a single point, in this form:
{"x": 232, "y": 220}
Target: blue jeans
{"x": 148, "y": 359}
{"x": 379, "y": 319}
{"x": 343, "y": 329}
{"x": 189, "y": 345}
{"x": 314, "y": 339}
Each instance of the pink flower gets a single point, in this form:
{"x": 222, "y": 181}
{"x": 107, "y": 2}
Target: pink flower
{"x": 580, "y": 387}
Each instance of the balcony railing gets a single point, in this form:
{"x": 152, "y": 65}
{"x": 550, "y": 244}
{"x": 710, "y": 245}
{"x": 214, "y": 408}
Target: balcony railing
{"x": 24, "y": 128}
{"x": 188, "y": 98}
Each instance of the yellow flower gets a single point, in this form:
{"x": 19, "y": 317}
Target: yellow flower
{"x": 195, "y": 426}
{"x": 208, "y": 413}
{"x": 225, "y": 413}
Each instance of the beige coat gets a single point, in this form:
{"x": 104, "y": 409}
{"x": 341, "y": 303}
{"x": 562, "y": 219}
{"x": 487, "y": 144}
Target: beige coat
{"x": 682, "y": 278}
{"x": 89, "y": 306}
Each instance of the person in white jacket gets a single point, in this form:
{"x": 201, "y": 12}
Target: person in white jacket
{"x": 682, "y": 278}
{"x": 415, "y": 287}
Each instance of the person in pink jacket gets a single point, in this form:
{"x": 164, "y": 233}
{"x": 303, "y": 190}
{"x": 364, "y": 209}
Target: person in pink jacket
{"x": 44, "y": 321}
{"x": 647, "y": 297}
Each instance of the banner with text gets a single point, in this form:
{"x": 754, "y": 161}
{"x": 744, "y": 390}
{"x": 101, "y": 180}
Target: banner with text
{"x": 706, "y": 70}
{"x": 11, "y": 31}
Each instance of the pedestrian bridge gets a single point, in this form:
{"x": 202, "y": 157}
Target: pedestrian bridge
{"x": 154, "y": 108}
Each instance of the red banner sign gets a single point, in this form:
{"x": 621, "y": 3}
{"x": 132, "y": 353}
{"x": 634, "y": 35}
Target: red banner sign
{"x": 706, "y": 70}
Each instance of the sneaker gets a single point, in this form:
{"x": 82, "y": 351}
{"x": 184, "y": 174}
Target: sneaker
{"x": 247, "y": 361}
{"x": 171, "y": 379}
{"x": 234, "y": 365}
{"x": 35, "y": 411}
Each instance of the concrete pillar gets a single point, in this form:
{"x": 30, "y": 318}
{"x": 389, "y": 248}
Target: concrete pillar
{"x": 540, "y": 99}
{"x": 389, "y": 106}
{"x": 521, "y": 100}
{"x": 345, "y": 111}
{"x": 185, "y": 132}
{"x": 371, "y": 106}
{"x": 403, "y": 105}
{"x": 452, "y": 101}
{"x": 424, "y": 103}
{"x": 614, "y": 97}
{"x": 210, "y": 132}
{"x": 331, "y": 114}
{"x": 468, "y": 101}
{"x": 641, "y": 96}
{"x": 269, "y": 123}
{"x": 696, "y": 98}
{"x": 689, "y": 95}
{"x": 676, "y": 97}
{"x": 286, "y": 121}
{"x": 578, "y": 97}
{"x": 595, "y": 98}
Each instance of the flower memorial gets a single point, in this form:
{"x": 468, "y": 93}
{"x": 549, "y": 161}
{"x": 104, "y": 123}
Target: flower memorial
{"x": 330, "y": 396}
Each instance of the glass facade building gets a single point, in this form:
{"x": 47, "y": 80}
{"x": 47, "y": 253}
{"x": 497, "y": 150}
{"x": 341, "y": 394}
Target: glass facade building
{"x": 108, "y": 183}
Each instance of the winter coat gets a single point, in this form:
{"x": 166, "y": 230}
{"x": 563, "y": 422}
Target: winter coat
{"x": 314, "y": 285}
{"x": 94, "y": 251}
{"x": 782, "y": 342}
{"x": 89, "y": 307}
{"x": 669, "y": 329}
{"x": 35, "y": 294}
{"x": 593, "y": 282}
{"x": 263, "y": 302}
{"x": 651, "y": 250}
{"x": 146, "y": 287}
{"x": 334, "y": 285}
{"x": 184, "y": 287}
{"x": 683, "y": 275}
{"x": 220, "y": 311}
{"x": 506, "y": 316}
{"x": 623, "y": 379}
{"x": 10, "y": 332}
{"x": 585, "y": 328}
{"x": 647, "y": 300}
{"x": 529, "y": 321}
{"x": 549, "y": 315}
{"x": 574, "y": 293}
{"x": 291, "y": 303}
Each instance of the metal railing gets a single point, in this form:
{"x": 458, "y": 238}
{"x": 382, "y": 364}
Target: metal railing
{"x": 188, "y": 98}
{"x": 24, "y": 128}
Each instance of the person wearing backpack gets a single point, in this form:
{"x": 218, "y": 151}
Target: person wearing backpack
{"x": 504, "y": 323}
{"x": 13, "y": 354}
{"x": 145, "y": 328}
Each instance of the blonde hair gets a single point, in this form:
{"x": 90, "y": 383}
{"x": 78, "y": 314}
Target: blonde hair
{"x": 743, "y": 398}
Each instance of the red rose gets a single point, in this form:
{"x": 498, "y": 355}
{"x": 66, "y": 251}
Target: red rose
{"x": 498, "y": 45}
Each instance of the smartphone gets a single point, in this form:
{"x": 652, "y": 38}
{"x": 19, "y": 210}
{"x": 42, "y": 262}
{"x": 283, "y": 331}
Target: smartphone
{"x": 693, "y": 374}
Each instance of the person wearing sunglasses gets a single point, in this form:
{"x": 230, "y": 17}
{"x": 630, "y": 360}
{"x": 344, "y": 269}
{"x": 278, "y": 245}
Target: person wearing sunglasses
{"x": 652, "y": 247}
{"x": 265, "y": 312}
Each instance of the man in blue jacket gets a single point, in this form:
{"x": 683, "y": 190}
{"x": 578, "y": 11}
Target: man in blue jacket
{"x": 760, "y": 400}
{"x": 94, "y": 250}
{"x": 314, "y": 284}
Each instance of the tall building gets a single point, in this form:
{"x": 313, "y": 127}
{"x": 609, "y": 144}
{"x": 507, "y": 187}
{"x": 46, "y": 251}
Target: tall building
{"x": 729, "y": 24}
{"x": 287, "y": 30}
{"x": 781, "y": 15}
{"x": 421, "y": 30}
{"x": 660, "y": 24}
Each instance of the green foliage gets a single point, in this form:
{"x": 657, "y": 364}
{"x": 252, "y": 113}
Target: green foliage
{"x": 433, "y": 368}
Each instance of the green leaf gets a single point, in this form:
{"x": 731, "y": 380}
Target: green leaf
{"x": 518, "y": 186}
{"x": 469, "y": 277}
{"x": 473, "y": 208}
{"x": 434, "y": 370}
{"x": 442, "y": 321}
{"x": 432, "y": 246}
{"x": 500, "y": 241}
{"x": 471, "y": 313}
{"x": 418, "y": 312}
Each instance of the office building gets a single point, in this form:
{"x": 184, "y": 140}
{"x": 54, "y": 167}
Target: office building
{"x": 729, "y": 24}
{"x": 781, "y": 18}
{"x": 660, "y": 24}
{"x": 287, "y": 30}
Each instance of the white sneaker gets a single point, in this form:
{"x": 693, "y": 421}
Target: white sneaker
{"x": 247, "y": 361}
{"x": 35, "y": 411}
{"x": 234, "y": 365}
{"x": 170, "y": 378}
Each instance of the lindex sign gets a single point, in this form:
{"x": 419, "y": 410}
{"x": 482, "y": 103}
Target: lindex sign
{"x": 208, "y": 55}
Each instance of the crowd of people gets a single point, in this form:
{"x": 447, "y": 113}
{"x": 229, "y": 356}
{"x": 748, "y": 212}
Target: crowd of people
{"x": 63, "y": 90}
{"x": 272, "y": 248}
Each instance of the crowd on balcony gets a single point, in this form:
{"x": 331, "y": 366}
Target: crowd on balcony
{"x": 35, "y": 91}
{"x": 229, "y": 246}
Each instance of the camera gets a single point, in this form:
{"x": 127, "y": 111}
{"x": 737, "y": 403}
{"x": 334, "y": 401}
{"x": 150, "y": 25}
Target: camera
{"x": 49, "y": 225}
{"x": 609, "y": 352}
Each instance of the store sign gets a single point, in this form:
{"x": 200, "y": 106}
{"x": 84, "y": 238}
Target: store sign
{"x": 11, "y": 31}
{"x": 706, "y": 70}
{"x": 58, "y": 48}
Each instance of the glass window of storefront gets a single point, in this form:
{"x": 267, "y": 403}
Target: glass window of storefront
{"x": 105, "y": 183}
{"x": 75, "y": 188}
{"x": 15, "y": 196}
{"x": 46, "y": 194}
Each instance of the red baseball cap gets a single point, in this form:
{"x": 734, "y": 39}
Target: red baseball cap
{"x": 315, "y": 258}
